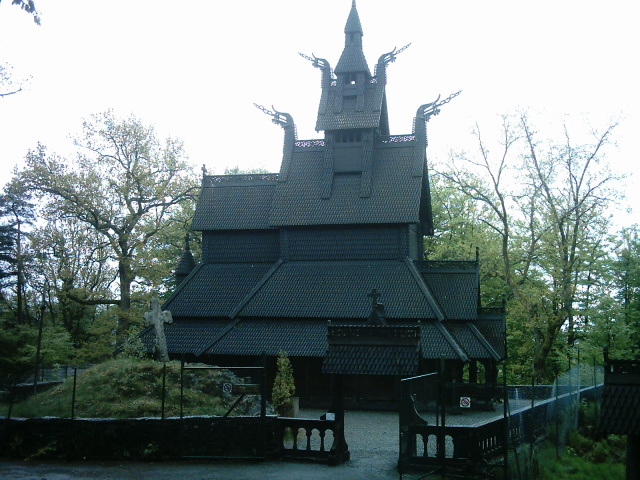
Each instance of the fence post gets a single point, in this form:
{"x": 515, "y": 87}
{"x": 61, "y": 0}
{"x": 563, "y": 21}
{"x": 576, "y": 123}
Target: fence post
{"x": 164, "y": 386}
{"x": 556, "y": 418}
{"x": 73, "y": 393}
{"x": 263, "y": 403}
{"x": 442, "y": 412}
{"x": 181, "y": 386}
{"x": 38, "y": 347}
{"x": 12, "y": 397}
{"x": 533, "y": 387}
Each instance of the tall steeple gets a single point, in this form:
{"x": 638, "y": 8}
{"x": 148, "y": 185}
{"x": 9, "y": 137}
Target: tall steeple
{"x": 352, "y": 99}
{"x": 352, "y": 60}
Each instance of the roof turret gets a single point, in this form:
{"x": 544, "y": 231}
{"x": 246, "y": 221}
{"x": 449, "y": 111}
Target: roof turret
{"x": 352, "y": 59}
{"x": 186, "y": 263}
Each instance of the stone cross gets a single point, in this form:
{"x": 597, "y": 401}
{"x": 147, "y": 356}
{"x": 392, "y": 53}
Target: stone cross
{"x": 158, "y": 318}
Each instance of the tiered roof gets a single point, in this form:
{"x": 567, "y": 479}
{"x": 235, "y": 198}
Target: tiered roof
{"x": 262, "y": 297}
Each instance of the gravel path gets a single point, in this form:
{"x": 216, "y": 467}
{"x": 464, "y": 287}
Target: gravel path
{"x": 372, "y": 438}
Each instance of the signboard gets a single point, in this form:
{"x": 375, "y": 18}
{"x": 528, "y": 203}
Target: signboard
{"x": 465, "y": 402}
{"x": 240, "y": 389}
{"x": 246, "y": 389}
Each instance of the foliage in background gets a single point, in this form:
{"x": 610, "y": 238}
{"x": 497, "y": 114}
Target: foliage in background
{"x": 538, "y": 211}
{"x": 283, "y": 386}
{"x": 125, "y": 186}
{"x": 587, "y": 455}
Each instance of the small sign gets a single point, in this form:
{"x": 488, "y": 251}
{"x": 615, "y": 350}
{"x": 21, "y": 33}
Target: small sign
{"x": 246, "y": 389}
{"x": 227, "y": 388}
{"x": 465, "y": 402}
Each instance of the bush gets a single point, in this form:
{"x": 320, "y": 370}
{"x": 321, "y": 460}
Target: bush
{"x": 283, "y": 386}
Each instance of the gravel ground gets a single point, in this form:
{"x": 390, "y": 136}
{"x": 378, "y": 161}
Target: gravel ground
{"x": 372, "y": 438}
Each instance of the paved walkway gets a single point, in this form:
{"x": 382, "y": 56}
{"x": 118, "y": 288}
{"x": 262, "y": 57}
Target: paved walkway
{"x": 372, "y": 438}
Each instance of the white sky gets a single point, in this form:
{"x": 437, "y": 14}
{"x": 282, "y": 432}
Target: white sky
{"x": 194, "y": 69}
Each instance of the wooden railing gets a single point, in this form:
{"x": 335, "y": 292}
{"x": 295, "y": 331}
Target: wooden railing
{"x": 434, "y": 445}
{"x": 314, "y": 439}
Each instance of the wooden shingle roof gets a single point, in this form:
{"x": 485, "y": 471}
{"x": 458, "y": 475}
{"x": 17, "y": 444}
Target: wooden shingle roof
{"x": 491, "y": 324}
{"x": 308, "y": 338}
{"x": 455, "y": 285}
{"x": 371, "y": 360}
{"x": 251, "y": 336}
{"x": 350, "y": 116}
{"x": 395, "y": 197}
{"x": 352, "y": 58}
{"x": 372, "y": 350}
{"x": 338, "y": 289}
{"x": 185, "y": 336}
{"x": 215, "y": 290}
{"x": 620, "y": 410}
{"x": 234, "y": 202}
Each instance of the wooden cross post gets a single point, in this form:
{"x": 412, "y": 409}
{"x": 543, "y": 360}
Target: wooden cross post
{"x": 158, "y": 318}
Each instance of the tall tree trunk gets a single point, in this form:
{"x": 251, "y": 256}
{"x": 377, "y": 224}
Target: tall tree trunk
{"x": 126, "y": 277}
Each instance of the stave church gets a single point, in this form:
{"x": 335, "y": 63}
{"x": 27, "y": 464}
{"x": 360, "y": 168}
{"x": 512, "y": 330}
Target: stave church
{"x": 324, "y": 259}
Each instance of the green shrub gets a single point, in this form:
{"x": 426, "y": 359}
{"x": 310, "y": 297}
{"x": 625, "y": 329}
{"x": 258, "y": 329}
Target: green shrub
{"x": 283, "y": 386}
{"x": 579, "y": 444}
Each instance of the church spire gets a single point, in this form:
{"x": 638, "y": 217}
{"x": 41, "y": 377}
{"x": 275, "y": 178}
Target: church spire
{"x": 352, "y": 59}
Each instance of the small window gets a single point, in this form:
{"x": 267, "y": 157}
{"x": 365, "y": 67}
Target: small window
{"x": 348, "y": 137}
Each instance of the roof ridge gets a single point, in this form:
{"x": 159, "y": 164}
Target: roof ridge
{"x": 218, "y": 337}
{"x": 431, "y": 299}
{"x": 255, "y": 289}
{"x": 182, "y": 285}
{"x": 481, "y": 338}
{"x": 240, "y": 306}
{"x": 452, "y": 341}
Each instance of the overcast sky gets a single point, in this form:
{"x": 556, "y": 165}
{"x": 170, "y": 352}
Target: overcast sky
{"x": 194, "y": 70}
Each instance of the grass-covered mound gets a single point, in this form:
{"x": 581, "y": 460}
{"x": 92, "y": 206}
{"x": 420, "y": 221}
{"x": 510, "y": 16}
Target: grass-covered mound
{"x": 129, "y": 388}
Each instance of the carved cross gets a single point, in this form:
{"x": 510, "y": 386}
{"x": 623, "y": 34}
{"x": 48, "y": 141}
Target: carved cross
{"x": 374, "y": 294}
{"x": 158, "y": 318}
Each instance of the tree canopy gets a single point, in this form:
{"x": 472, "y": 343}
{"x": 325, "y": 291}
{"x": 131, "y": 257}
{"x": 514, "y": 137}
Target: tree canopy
{"x": 125, "y": 186}
{"x": 540, "y": 207}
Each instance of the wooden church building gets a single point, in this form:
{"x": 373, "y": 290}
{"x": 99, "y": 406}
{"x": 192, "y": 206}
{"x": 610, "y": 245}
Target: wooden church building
{"x": 324, "y": 259}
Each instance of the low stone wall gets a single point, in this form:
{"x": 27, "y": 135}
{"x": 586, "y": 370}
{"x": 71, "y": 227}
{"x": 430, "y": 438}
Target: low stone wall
{"x": 137, "y": 439}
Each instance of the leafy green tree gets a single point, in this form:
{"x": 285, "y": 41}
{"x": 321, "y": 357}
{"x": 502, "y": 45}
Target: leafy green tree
{"x": 626, "y": 283}
{"x": 575, "y": 186}
{"x": 460, "y": 230}
{"x": 124, "y": 185}
{"x": 7, "y": 258}
{"x": 545, "y": 202}
{"x": 70, "y": 261}
{"x": 16, "y": 213}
